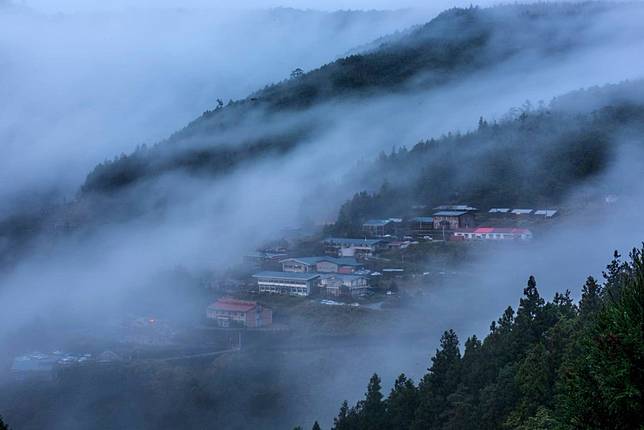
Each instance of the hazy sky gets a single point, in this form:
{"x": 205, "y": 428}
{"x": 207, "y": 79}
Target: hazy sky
{"x": 78, "y": 5}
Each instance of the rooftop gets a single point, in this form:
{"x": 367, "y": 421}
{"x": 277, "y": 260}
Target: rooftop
{"x": 377, "y": 223}
{"x": 342, "y": 261}
{"x": 546, "y": 212}
{"x": 305, "y": 276}
{"x": 499, "y": 210}
{"x": 351, "y": 241}
{"x": 233, "y": 305}
{"x": 427, "y": 219}
{"x": 342, "y": 276}
{"x": 485, "y": 230}
{"x": 466, "y": 208}
{"x": 522, "y": 211}
{"x": 450, "y": 213}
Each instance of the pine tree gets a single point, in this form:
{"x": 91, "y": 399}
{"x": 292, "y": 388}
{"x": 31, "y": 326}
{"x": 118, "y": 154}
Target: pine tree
{"x": 528, "y": 325}
{"x": 372, "y": 410}
{"x": 316, "y": 426}
{"x": 347, "y": 418}
{"x": 441, "y": 381}
{"x": 402, "y": 403}
{"x": 3, "y": 426}
{"x": 590, "y": 302}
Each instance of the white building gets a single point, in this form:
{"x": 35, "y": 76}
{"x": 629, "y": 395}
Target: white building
{"x": 290, "y": 283}
{"x": 339, "y": 284}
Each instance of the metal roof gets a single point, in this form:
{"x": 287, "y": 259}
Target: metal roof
{"x": 351, "y": 241}
{"x": 233, "y": 305}
{"x": 423, "y": 219}
{"x": 303, "y": 276}
{"x": 450, "y": 213}
{"x": 466, "y": 208}
{"x": 546, "y": 212}
{"x": 341, "y": 261}
{"x": 522, "y": 211}
{"x": 377, "y": 223}
{"x": 499, "y": 210}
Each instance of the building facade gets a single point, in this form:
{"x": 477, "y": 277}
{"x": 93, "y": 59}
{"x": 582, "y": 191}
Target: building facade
{"x": 289, "y": 283}
{"x": 453, "y": 220}
{"x": 350, "y": 247}
{"x": 340, "y": 285}
{"x": 492, "y": 233}
{"x": 321, "y": 264}
{"x": 227, "y": 312}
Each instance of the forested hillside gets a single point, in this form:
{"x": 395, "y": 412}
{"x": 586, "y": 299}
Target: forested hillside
{"x": 534, "y": 158}
{"x": 454, "y": 45}
{"x": 547, "y": 365}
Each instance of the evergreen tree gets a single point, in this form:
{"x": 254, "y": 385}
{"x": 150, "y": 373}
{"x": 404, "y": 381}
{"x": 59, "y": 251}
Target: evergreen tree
{"x": 402, "y": 403}
{"x": 316, "y": 426}
{"x": 3, "y": 426}
{"x": 590, "y": 302}
{"x": 372, "y": 410}
{"x": 528, "y": 325}
{"x": 441, "y": 381}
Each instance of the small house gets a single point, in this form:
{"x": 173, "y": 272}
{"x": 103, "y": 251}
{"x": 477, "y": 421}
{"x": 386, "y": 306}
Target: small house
{"x": 228, "y": 312}
{"x": 421, "y": 225}
{"x": 352, "y": 247}
{"x": 322, "y": 264}
{"x": 452, "y": 220}
{"x": 344, "y": 285}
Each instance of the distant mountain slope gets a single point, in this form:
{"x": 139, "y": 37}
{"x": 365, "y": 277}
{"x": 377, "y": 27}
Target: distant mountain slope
{"x": 456, "y": 44}
{"x": 534, "y": 158}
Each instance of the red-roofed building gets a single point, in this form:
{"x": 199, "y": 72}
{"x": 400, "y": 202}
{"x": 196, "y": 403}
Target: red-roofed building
{"x": 492, "y": 233}
{"x": 228, "y": 312}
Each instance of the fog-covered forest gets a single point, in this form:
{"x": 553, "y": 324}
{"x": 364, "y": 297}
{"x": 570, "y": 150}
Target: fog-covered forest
{"x": 282, "y": 215}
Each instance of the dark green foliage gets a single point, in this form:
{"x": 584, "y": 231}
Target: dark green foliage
{"x": 553, "y": 365}
{"x": 454, "y": 45}
{"x": 402, "y": 403}
{"x": 564, "y": 148}
{"x": 3, "y": 426}
{"x": 316, "y": 426}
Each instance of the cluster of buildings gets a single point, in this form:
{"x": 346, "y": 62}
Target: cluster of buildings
{"x": 457, "y": 222}
{"x": 331, "y": 276}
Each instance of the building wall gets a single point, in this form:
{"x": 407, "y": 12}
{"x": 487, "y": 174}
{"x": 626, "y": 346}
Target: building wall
{"x": 293, "y": 287}
{"x": 293, "y": 266}
{"x": 455, "y": 222}
{"x": 327, "y": 267}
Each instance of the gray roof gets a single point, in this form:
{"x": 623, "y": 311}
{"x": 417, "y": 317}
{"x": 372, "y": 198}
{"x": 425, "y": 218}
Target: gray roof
{"x": 546, "y": 212}
{"x": 499, "y": 210}
{"x": 351, "y": 241}
{"x": 423, "y": 219}
{"x": 305, "y": 276}
{"x": 466, "y": 208}
{"x": 377, "y": 223}
{"x": 450, "y": 213}
{"x": 522, "y": 211}
{"x": 343, "y": 261}
{"x": 343, "y": 276}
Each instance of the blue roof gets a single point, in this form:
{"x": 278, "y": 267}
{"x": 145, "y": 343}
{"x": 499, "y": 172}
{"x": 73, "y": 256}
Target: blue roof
{"x": 450, "y": 213}
{"x": 351, "y": 241}
{"x": 423, "y": 219}
{"x": 304, "y": 276}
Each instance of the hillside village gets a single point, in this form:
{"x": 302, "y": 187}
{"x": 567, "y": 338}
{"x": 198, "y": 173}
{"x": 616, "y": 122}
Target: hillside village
{"x": 361, "y": 270}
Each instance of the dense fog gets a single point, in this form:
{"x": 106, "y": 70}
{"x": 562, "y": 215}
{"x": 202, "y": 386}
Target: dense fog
{"x": 84, "y": 81}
